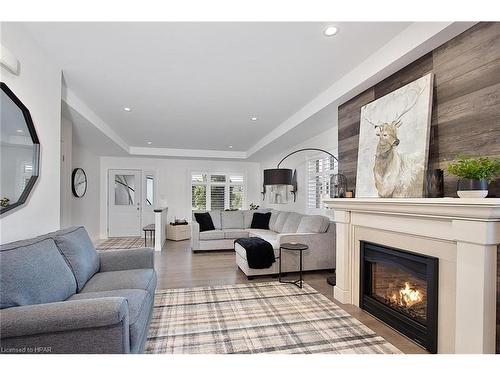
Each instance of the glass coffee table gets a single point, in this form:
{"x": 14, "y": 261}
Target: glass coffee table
{"x": 292, "y": 246}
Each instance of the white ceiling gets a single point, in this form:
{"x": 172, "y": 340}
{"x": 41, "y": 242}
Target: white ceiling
{"x": 196, "y": 85}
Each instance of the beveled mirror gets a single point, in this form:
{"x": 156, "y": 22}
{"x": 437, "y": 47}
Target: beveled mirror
{"x": 19, "y": 151}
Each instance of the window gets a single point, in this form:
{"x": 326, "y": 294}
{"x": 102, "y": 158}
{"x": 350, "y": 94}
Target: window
{"x": 149, "y": 190}
{"x": 320, "y": 171}
{"x": 217, "y": 191}
{"x": 124, "y": 190}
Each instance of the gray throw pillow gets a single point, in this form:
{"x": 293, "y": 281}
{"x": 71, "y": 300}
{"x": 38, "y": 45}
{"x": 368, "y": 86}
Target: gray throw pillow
{"x": 79, "y": 251}
{"x": 280, "y": 221}
{"x": 33, "y": 272}
{"x": 313, "y": 224}
{"x": 292, "y": 223}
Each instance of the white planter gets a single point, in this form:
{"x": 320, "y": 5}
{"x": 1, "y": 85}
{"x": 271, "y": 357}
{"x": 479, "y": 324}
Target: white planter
{"x": 472, "y": 193}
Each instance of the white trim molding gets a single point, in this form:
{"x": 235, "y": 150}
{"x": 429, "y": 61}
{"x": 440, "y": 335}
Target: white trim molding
{"x": 9, "y": 61}
{"x": 463, "y": 234}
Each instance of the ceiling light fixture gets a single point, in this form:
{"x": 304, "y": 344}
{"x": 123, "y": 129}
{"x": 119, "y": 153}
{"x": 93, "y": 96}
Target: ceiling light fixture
{"x": 150, "y": 143}
{"x": 253, "y": 118}
{"x": 330, "y": 31}
{"x": 127, "y": 109}
{"x": 230, "y": 146}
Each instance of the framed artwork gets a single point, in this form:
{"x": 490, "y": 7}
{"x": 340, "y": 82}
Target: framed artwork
{"x": 394, "y": 142}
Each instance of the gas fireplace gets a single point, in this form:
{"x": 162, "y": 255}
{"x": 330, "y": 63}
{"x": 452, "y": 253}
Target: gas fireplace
{"x": 401, "y": 289}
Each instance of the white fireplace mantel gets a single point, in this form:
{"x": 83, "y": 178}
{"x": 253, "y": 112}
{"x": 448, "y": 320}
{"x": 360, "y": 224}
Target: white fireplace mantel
{"x": 463, "y": 233}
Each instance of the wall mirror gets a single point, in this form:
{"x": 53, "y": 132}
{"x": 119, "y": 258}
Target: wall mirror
{"x": 19, "y": 151}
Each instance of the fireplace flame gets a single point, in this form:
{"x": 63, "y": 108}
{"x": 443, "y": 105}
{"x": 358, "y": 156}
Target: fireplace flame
{"x": 409, "y": 296}
{"x": 405, "y": 297}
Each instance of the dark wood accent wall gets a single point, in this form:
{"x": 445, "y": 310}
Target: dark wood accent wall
{"x": 466, "y": 107}
{"x": 465, "y": 111}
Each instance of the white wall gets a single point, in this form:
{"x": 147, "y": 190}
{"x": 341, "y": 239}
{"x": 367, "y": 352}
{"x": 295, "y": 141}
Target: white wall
{"x": 85, "y": 210}
{"x": 66, "y": 169}
{"x": 173, "y": 181}
{"x": 328, "y": 140}
{"x": 38, "y": 85}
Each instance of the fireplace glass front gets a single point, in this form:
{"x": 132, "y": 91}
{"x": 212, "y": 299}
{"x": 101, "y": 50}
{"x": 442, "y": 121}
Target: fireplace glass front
{"x": 400, "y": 288}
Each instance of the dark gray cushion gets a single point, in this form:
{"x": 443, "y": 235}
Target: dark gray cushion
{"x": 33, "y": 272}
{"x": 140, "y": 304}
{"x": 79, "y": 252}
{"x": 144, "y": 279}
{"x": 248, "y": 216}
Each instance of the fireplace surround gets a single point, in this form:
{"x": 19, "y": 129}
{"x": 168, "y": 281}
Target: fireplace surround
{"x": 401, "y": 289}
{"x": 464, "y": 234}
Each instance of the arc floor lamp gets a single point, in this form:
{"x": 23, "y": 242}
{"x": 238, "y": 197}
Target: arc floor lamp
{"x": 286, "y": 177}
{"x": 277, "y": 177}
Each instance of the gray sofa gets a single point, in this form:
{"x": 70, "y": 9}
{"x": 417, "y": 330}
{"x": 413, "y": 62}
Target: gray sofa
{"x": 316, "y": 231}
{"x": 59, "y": 295}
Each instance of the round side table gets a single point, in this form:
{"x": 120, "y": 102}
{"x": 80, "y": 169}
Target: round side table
{"x": 293, "y": 246}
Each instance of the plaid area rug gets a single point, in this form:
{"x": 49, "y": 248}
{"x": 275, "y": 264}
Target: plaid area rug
{"x": 256, "y": 318}
{"x": 120, "y": 243}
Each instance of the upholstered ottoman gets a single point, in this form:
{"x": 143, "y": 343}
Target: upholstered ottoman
{"x": 242, "y": 263}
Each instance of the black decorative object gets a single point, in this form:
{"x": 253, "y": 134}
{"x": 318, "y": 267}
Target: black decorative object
{"x": 260, "y": 220}
{"x": 292, "y": 246}
{"x": 205, "y": 221}
{"x": 338, "y": 186}
{"x": 17, "y": 131}
{"x": 332, "y": 280}
{"x": 284, "y": 176}
{"x": 79, "y": 182}
{"x": 434, "y": 183}
{"x": 401, "y": 289}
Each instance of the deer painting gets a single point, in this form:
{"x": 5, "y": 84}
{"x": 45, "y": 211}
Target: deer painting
{"x": 398, "y": 168}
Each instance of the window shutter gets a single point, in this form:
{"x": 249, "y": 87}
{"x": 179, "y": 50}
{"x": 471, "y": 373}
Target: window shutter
{"x": 319, "y": 172}
{"x": 217, "y": 197}
{"x": 217, "y": 191}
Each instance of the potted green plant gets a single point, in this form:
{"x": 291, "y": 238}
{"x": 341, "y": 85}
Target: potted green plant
{"x": 474, "y": 175}
{"x": 254, "y": 206}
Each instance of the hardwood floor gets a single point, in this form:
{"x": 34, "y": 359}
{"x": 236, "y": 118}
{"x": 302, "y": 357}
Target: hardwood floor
{"x": 178, "y": 267}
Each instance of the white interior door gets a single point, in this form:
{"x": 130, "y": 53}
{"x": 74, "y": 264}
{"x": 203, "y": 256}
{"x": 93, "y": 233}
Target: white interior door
{"x": 124, "y": 203}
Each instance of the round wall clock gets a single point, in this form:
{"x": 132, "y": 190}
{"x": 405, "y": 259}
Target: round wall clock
{"x": 79, "y": 182}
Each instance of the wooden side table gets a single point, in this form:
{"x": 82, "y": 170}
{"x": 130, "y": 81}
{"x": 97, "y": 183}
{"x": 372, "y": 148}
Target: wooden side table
{"x": 178, "y": 232}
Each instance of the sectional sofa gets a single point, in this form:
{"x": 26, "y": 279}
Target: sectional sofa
{"x": 316, "y": 231}
{"x": 59, "y": 295}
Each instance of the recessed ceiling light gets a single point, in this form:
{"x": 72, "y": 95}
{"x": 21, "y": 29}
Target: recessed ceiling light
{"x": 127, "y": 109}
{"x": 230, "y": 146}
{"x": 20, "y": 131}
{"x": 330, "y": 31}
{"x": 150, "y": 143}
{"x": 253, "y": 118}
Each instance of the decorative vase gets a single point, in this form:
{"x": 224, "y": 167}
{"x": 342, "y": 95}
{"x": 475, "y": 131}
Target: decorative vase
{"x": 434, "y": 183}
{"x": 470, "y": 188}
